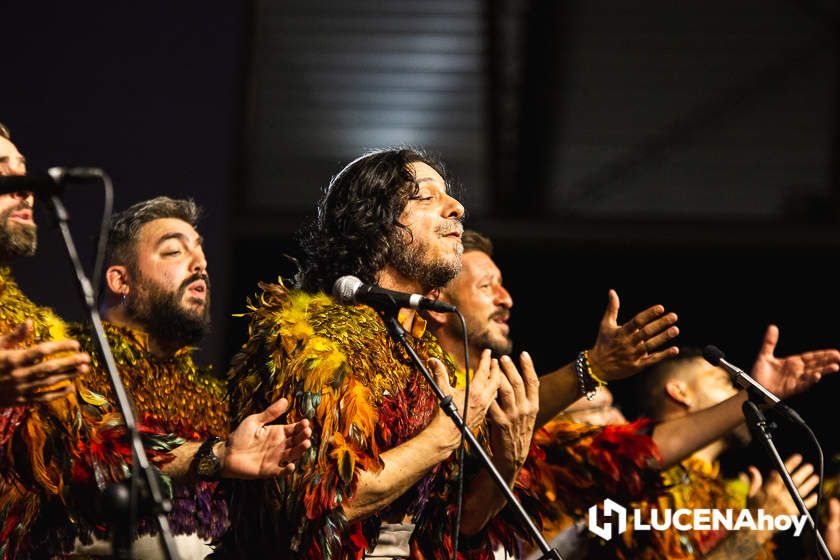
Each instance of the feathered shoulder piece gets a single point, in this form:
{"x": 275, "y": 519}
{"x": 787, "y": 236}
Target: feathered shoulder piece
{"x": 15, "y": 308}
{"x": 30, "y": 454}
{"x": 316, "y": 345}
{"x": 577, "y": 465}
{"x": 36, "y": 442}
{"x": 338, "y": 367}
{"x": 692, "y": 484}
{"x": 171, "y": 394}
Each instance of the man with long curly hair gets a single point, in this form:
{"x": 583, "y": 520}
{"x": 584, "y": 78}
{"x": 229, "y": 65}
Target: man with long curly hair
{"x": 379, "y": 480}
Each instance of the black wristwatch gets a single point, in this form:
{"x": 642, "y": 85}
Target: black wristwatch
{"x": 207, "y": 465}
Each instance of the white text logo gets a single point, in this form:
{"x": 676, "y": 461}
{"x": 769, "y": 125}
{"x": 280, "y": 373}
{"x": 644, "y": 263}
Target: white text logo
{"x": 690, "y": 520}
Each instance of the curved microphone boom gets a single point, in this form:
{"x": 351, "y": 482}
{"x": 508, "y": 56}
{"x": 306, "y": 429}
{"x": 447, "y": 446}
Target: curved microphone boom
{"x": 716, "y": 357}
{"x": 350, "y": 290}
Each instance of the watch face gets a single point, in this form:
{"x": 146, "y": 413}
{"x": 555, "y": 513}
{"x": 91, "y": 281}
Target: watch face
{"x": 206, "y": 466}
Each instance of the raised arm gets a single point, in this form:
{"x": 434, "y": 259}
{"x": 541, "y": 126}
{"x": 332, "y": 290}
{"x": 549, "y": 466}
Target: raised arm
{"x": 405, "y": 464}
{"x": 619, "y": 352}
{"x": 784, "y": 377}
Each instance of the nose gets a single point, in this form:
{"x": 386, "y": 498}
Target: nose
{"x": 503, "y": 297}
{"x": 453, "y": 208}
{"x": 25, "y": 196}
{"x": 17, "y": 166}
{"x": 199, "y": 261}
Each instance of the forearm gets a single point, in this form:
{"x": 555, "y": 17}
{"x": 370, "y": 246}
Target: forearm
{"x": 679, "y": 438}
{"x": 558, "y": 390}
{"x": 483, "y": 501}
{"x": 180, "y": 468}
{"x": 402, "y": 467}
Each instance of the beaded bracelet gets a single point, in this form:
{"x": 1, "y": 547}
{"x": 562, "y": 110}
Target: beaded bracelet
{"x": 589, "y": 382}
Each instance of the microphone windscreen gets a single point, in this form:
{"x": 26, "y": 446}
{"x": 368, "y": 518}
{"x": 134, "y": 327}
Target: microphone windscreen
{"x": 713, "y": 355}
{"x": 345, "y": 288}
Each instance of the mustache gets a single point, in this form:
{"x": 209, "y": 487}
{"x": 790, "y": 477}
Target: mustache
{"x": 23, "y": 205}
{"x": 501, "y": 314}
{"x": 192, "y": 278}
{"x": 454, "y": 226}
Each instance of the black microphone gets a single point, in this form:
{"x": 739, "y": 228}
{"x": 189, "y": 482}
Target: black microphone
{"x": 351, "y": 290}
{"x": 48, "y": 183}
{"x": 716, "y": 357}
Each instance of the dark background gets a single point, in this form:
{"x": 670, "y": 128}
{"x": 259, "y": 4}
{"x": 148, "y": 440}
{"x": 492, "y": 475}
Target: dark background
{"x": 681, "y": 153}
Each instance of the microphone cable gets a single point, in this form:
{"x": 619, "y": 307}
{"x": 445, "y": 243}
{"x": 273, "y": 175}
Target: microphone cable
{"x": 820, "y": 465}
{"x": 104, "y": 228}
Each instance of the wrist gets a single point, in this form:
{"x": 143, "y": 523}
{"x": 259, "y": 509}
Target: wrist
{"x": 595, "y": 366}
{"x": 443, "y": 434}
{"x": 588, "y": 381}
{"x": 220, "y": 451}
{"x": 207, "y": 463}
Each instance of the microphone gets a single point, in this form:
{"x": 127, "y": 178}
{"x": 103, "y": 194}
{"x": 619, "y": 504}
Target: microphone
{"x": 351, "y": 290}
{"x": 716, "y": 357}
{"x": 48, "y": 183}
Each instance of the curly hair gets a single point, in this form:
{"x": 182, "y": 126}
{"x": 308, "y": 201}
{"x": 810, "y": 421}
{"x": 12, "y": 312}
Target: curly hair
{"x": 357, "y": 224}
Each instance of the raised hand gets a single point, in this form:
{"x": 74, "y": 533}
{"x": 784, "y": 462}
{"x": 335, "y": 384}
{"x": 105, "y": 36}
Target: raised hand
{"x": 513, "y": 413}
{"x": 37, "y": 374}
{"x": 793, "y": 374}
{"x": 772, "y": 495}
{"x": 256, "y": 449}
{"x": 623, "y": 350}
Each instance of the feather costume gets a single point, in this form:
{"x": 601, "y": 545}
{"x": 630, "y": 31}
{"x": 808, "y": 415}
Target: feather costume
{"x": 36, "y": 443}
{"x": 577, "y": 465}
{"x": 339, "y": 368}
{"x": 692, "y": 484}
{"x": 174, "y": 401}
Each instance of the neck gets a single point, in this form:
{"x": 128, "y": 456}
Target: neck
{"x": 391, "y": 279}
{"x": 116, "y": 315}
{"x": 454, "y": 345}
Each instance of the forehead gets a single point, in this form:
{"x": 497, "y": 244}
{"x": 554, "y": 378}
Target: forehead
{"x": 704, "y": 372}
{"x": 154, "y": 231}
{"x": 426, "y": 175}
{"x": 7, "y": 149}
{"x": 476, "y": 264}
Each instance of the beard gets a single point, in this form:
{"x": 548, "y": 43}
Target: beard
{"x": 410, "y": 257}
{"x": 17, "y": 239}
{"x": 163, "y": 315}
{"x": 482, "y": 337}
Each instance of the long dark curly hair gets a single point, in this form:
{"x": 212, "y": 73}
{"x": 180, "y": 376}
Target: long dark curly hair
{"x": 358, "y": 217}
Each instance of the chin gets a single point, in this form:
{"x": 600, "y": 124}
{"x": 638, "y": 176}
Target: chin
{"x": 194, "y": 309}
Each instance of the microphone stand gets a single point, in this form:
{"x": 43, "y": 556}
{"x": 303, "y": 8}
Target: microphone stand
{"x": 124, "y": 507}
{"x": 398, "y": 332}
{"x": 760, "y": 427}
